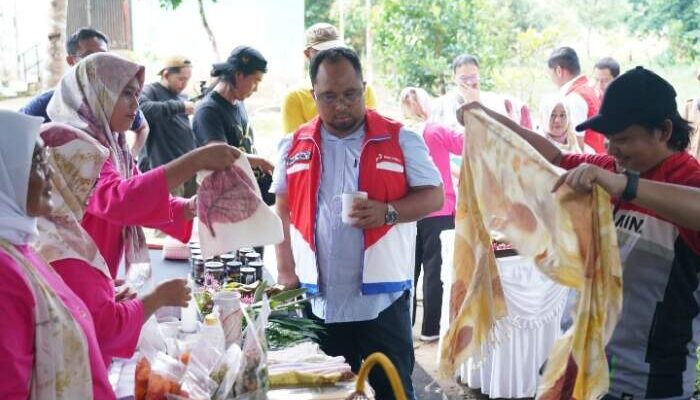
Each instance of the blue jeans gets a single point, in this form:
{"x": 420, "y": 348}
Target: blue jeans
{"x": 389, "y": 333}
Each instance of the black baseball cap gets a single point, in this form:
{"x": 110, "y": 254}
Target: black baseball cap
{"x": 638, "y": 96}
{"x": 242, "y": 59}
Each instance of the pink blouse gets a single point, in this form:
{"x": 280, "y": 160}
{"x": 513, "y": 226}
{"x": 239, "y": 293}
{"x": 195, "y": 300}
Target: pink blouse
{"x": 117, "y": 325}
{"x": 114, "y": 203}
{"x": 441, "y": 142}
{"x": 141, "y": 200}
{"x": 17, "y": 332}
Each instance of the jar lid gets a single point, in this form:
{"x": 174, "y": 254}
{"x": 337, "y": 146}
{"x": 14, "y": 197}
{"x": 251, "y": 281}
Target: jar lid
{"x": 228, "y": 257}
{"x": 214, "y": 265}
{"x": 246, "y": 250}
{"x": 252, "y": 254}
{"x": 234, "y": 264}
{"x": 248, "y": 270}
{"x": 256, "y": 264}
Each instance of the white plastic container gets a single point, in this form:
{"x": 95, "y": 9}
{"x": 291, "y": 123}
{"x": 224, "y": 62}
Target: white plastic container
{"x": 188, "y": 315}
{"x": 229, "y": 304}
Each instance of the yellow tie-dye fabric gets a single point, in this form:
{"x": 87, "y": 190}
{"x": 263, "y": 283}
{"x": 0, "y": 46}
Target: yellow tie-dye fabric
{"x": 505, "y": 190}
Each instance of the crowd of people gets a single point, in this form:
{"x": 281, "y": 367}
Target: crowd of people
{"x": 75, "y": 198}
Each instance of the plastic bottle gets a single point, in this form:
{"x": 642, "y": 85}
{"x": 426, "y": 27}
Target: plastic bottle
{"x": 229, "y": 304}
{"x": 213, "y": 333}
{"x": 188, "y": 315}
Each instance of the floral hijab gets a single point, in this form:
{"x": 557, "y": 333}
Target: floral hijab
{"x": 76, "y": 159}
{"x": 85, "y": 99}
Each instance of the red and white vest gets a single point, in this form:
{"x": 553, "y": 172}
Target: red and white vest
{"x": 389, "y": 251}
{"x": 581, "y": 87}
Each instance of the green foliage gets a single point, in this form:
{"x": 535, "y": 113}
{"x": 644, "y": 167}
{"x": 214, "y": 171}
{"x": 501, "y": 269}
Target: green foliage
{"x": 520, "y": 73}
{"x": 317, "y": 11}
{"x": 678, "y": 20}
{"x": 329, "y": 11}
{"x": 415, "y": 42}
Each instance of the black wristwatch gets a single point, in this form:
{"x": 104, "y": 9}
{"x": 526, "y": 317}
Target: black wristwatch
{"x": 392, "y": 216}
{"x": 630, "y": 192}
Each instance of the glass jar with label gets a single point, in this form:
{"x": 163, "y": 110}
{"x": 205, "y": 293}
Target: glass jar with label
{"x": 243, "y": 251}
{"x": 233, "y": 271}
{"x": 216, "y": 270}
{"x": 251, "y": 257}
{"x": 197, "y": 268}
{"x": 247, "y": 275}
{"x": 258, "y": 267}
{"x": 228, "y": 257}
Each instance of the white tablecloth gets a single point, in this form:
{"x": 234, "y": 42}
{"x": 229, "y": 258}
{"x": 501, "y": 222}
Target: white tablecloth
{"x": 509, "y": 369}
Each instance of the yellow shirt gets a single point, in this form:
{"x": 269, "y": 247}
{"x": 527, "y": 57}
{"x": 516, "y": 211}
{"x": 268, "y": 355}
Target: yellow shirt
{"x": 299, "y": 107}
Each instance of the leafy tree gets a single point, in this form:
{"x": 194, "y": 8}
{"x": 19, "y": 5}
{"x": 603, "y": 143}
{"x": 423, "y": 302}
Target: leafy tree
{"x": 678, "y": 20}
{"x": 355, "y": 19}
{"x": 317, "y": 11}
{"x": 415, "y": 42}
{"x": 173, "y": 4}
{"x": 600, "y": 15}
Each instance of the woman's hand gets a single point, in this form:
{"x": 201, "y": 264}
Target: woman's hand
{"x": 215, "y": 156}
{"x": 582, "y": 178}
{"x": 173, "y": 292}
{"x": 259, "y": 162}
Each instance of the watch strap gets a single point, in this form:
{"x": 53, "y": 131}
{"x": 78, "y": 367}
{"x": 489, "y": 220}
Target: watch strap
{"x": 630, "y": 192}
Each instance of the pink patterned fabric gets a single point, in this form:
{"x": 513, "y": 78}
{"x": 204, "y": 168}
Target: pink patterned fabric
{"x": 76, "y": 160}
{"x": 17, "y": 347}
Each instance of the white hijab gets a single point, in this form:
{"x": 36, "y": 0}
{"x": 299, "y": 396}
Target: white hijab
{"x": 546, "y": 108}
{"x": 18, "y": 135}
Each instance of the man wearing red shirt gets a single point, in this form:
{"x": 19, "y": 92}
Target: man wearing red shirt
{"x": 653, "y": 182}
{"x": 565, "y": 71}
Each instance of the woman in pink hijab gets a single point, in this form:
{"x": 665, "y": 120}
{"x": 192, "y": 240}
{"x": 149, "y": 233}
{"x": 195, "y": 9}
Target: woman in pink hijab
{"x": 107, "y": 200}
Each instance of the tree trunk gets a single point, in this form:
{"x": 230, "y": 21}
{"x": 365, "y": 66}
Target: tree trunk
{"x": 212, "y": 39}
{"x": 56, "y": 53}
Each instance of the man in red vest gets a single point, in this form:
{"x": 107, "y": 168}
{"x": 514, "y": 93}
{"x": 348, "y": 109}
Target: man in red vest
{"x": 361, "y": 272}
{"x": 582, "y": 100}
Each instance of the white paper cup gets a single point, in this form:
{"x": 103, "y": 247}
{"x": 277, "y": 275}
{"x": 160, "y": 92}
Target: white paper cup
{"x": 347, "y": 200}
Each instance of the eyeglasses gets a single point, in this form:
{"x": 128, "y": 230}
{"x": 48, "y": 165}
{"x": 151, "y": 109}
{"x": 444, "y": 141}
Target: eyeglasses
{"x": 348, "y": 98}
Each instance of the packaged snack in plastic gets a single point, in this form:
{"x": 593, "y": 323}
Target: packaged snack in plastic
{"x": 196, "y": 384}
{"x": 252, "y": 381}
{"x": 166, "y": 377}
{"x": 226, "y": 372}
{"x": 151, "y": 342}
